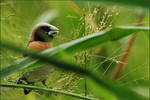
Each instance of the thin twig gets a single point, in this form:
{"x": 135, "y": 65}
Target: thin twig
{"x": 124, "y": 58}
{"x": 47, "y": 90}
{"x": 85, "y": 59}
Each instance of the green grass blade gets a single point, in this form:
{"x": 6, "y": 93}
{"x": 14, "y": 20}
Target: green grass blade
{"x": 115, "y": 88}
{"x": 81, "y": 44}
{"x": 47, "y": 90}
{"x": 47, "y": 16}
{"x": 138, "y": 3}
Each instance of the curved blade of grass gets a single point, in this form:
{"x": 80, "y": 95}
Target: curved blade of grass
{"x": 115, "y": 88}
{"x": 47, "y": 90}
{"x": 47, "y": 16}
{"x": 138, "y": 3}
{"x": 81, "y": 44}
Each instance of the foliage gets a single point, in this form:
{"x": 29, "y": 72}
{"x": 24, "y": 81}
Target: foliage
{"x": 84, "y": 26}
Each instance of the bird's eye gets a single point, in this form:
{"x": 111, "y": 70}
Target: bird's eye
{"x": 46, "y": 28}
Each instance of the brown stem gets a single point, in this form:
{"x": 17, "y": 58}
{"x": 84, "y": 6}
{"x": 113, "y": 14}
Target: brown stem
{"x": 124, "y": 58}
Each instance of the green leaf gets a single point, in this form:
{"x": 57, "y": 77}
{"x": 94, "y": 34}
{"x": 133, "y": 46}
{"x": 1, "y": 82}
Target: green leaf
{"x": 81, "y": 44}
{"x": 115, "y": 88}
{"x": 74, "y": 46}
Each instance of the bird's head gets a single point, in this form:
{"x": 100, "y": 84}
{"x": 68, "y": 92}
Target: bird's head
{"x": 43, "y": 32}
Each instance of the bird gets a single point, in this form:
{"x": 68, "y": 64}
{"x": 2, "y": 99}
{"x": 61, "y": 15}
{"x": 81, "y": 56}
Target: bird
{"x": 39, "y": 40}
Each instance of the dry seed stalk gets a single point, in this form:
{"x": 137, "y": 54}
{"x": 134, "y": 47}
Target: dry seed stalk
{"x": 124, "y": 58}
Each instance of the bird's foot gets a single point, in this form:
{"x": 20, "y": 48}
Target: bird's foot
{"x": 19, "y": 81}
{"x": 43, "y": 82}
{"x": 49, "y": 93}
{"x": 49, "y": 87}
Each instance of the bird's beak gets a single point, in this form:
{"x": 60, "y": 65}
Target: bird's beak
{"x": 53, "y": 30}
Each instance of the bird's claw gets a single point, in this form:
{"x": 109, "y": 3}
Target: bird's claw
{"x": 49, "y": 87}
{"x": 19, "y": 81}
{"x": 49, "y": 93}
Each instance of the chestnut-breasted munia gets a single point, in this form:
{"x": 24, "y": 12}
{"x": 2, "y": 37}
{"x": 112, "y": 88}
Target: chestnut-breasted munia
{"x": 38, "y": 41}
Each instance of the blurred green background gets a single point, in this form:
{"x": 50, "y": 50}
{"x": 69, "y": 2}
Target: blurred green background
{"x": 19, "y": 16}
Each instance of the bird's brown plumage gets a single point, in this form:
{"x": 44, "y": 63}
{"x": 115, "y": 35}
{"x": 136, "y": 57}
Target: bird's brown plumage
{"x": 38, "y": 43}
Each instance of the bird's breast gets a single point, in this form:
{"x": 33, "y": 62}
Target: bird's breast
{"x": 39, "y": 46}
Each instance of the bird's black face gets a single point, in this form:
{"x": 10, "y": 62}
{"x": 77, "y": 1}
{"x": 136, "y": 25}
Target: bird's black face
{"x": 50, "y": 30}
{"x": 44, "y": 32}
{"x": 45, "y": 28}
